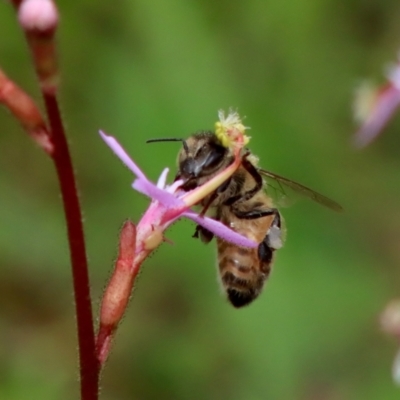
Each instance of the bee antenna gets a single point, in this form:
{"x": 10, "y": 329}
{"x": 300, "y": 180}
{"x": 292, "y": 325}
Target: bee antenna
{"x": 185, "y": 146}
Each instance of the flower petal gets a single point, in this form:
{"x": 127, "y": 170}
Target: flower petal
{"x": 174, "y": 187}
{"x": 162, "y": 179}
{"x": 122, "y": 155}
{"x": 386, "y": 103}
{"x": 161, "y": 195}
{"x": 221, "y": 230}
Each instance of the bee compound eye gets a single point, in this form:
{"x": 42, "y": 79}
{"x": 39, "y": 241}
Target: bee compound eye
{"x": 215, "y": 156}
{"x": 188, "y": 167}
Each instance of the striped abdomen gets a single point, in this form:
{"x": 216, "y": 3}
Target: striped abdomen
{"x": 243, "y": 271}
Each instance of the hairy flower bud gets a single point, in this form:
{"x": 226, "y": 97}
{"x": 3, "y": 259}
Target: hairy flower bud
{"x": 118, "y": 291}
{"x": 24, "y": 109}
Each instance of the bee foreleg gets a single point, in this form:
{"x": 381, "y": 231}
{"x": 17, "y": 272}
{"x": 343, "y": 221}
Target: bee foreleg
{"x": 265, "y": 252}
{"x": 271, "y": 242}
{"x": 214, "y": 195}
{"x": 277, "y": 220}
{"x": 255, "y": 214}
{"x": 203, "y": 234}
{"x": 252, "y": 170}
{"x": 274, "y": 235}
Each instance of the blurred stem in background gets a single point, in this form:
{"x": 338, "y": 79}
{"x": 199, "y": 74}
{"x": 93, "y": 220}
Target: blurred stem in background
{"x": 39, "y": 20}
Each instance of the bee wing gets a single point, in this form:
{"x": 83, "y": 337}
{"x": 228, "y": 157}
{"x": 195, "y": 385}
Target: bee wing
{"x": 303, "y": 190}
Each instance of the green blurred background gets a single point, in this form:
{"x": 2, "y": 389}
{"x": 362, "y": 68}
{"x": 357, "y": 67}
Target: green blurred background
{"x": 143, "y": 69}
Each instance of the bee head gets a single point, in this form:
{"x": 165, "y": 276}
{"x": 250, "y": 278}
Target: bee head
{"x": 202, "y": 156}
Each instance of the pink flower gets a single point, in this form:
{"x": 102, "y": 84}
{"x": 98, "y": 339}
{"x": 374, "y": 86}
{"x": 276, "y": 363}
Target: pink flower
{"x": 169, "y": 203}
{"x": 373, "y": 108}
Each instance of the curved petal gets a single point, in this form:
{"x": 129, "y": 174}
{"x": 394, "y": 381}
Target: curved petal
{"x": 221, "y": 230}
{"x": 162, "y": 179}
{"x": 122, "y": 155}
{"x": 386, "y": 104}
{"x": 149, "y": 189}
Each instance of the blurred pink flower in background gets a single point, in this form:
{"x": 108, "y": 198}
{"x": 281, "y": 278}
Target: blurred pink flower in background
{"x": 373, "y": 107}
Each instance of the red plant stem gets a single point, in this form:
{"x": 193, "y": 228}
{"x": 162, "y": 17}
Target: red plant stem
{"x": 40, "y": 40}
{"x": 16, "y": 3}
{"x": 89, "y": 366}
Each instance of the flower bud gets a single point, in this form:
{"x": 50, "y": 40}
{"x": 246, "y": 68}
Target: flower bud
{"x": 40, "y": 16}
{"x": 25, "y": 111}
{"x": 39, "y": 19}
{"x": 118, "y": 291}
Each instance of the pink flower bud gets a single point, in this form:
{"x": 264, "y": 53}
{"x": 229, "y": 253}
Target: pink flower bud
{"x": 38, "y": 15}
{"x": 119, "y": 288}
{"x": 39, "y": 19}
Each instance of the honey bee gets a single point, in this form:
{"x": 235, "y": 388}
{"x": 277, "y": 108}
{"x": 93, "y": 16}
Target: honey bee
{"x": 242, "y": 204}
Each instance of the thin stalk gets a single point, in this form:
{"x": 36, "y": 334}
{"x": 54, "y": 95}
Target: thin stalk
{"x": 89, "y": 366}
{"x": 39, "y": 20}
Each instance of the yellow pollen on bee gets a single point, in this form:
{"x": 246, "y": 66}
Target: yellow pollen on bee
{"x": 230, "y": 131}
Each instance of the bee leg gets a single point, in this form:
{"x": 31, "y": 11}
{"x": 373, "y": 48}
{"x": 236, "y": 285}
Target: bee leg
{"x": 255, "y": 214}
{"x": 203, "y": 234}
{"x": 214, "y": 195}
{"x": 265, "y": 252}
{"x": 252, "y": 170}
{"x": 271, "y": 242}
{"x": 274, "y": 234}
{"x": 273, "y": 238}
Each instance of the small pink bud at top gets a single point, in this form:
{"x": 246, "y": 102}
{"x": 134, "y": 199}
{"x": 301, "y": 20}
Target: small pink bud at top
{"x": 38, "y": 15}
{"x": 39, "y": 19}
